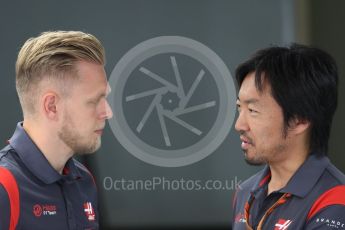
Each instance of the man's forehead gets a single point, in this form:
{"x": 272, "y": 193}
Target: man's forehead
{"x": 250, "y": 91}
{"x": 103, "y": 92}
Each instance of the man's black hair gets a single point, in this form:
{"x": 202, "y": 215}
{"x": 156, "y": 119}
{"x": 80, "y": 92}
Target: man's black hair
{"x": 304, "y": 82}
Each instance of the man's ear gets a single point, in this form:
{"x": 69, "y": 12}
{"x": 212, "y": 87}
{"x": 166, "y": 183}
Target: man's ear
{"x": 51, "y": 105}
{"x": 298, "y": 126}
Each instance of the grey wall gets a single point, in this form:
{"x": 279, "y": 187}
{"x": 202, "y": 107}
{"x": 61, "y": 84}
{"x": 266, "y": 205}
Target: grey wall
{"x": 232, "y": 29}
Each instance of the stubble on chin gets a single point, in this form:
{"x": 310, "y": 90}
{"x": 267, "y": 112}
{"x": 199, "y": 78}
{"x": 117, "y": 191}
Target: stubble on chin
{"x": 254, "y": 161}
{"x": 77, "y": 142}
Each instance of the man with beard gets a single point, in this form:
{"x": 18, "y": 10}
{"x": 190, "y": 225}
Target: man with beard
{"x": 286, "y": 101}
{"x": 62, "y": 88}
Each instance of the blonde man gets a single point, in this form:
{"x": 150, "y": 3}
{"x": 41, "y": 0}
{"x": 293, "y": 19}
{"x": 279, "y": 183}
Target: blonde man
{"x": 62, "y": 88}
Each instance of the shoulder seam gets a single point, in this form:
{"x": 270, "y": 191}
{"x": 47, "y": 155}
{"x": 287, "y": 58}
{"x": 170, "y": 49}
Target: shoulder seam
{"x": 333, "y": 171}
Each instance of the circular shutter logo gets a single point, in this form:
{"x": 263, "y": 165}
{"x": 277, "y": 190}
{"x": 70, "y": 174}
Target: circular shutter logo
{"x": 173, "y": 101}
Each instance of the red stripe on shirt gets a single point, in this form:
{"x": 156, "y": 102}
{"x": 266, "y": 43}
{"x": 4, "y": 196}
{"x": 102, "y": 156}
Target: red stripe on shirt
{"x": 9, "y": 183}
{"x": 333, "y": 196}
{"x": 265, "y": 179}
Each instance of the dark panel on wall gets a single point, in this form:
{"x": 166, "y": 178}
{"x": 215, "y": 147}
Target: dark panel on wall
{"x": 327, "y": 21}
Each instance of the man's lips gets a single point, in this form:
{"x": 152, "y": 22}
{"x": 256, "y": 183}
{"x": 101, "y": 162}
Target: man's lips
{"x": 246, "y": 143}
{"x": 99, "y": 131}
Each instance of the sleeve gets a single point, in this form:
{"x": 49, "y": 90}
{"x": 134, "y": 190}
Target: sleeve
{"x": 331, "y": 217}
{"x": 5, "y": 210}
{"x": 9, "y": 200}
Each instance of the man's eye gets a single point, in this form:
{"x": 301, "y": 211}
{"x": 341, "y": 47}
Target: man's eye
{"x": 238, "y": 108}
{"x": 252, "y": 111}
{"x": 93, "y": 102}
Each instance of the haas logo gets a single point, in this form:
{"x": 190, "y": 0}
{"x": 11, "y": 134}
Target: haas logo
{"x": 282, "y": 224}
{"x": 89, "y": 211}
{"x": 37, "y": 210}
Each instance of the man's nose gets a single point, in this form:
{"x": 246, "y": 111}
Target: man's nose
{"x": 241, "y": 123}
{"x": 108, "y": 110}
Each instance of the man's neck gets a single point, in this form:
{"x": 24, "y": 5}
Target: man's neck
{"x": 55, "y": 152}
{"x": 282, "y": 171}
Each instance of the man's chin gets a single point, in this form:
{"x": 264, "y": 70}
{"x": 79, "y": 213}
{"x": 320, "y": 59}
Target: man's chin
{"x": 253, "y": 161}
{"x": 86, "y": 150}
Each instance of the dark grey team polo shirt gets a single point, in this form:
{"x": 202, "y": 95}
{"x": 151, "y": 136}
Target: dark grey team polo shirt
{"x": 315, "y": 200}
{"x": 33, "y": 195}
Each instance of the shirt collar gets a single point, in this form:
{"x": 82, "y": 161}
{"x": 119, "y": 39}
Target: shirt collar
{"x": 35, "y": 161}
{"x": 303, "y": 179}
{"x": 306, "y": 176}
{"x": 265, "y": 176}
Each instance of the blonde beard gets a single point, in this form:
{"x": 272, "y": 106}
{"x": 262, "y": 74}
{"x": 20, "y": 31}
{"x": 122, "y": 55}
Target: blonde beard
{"x": 78, "y": 143}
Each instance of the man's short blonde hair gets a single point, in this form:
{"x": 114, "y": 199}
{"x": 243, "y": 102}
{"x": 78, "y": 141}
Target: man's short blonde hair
{"x": 53, "y": 56}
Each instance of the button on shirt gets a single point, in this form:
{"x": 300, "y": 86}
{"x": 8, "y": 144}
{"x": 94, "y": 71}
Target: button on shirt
{"x": 33, "y": 195}
{"x": 314, "y": 198}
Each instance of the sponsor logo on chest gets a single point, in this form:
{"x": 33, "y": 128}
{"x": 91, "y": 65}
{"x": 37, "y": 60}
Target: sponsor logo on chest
{"x": 44, "y": 210}
{"x": 331, "y": 223}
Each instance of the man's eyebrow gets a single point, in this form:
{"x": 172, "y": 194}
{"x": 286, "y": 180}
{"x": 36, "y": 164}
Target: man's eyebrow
{"x": 103, "y": 94}
{"x": 249, "y": 101}
{"x": 98, "y": 97}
